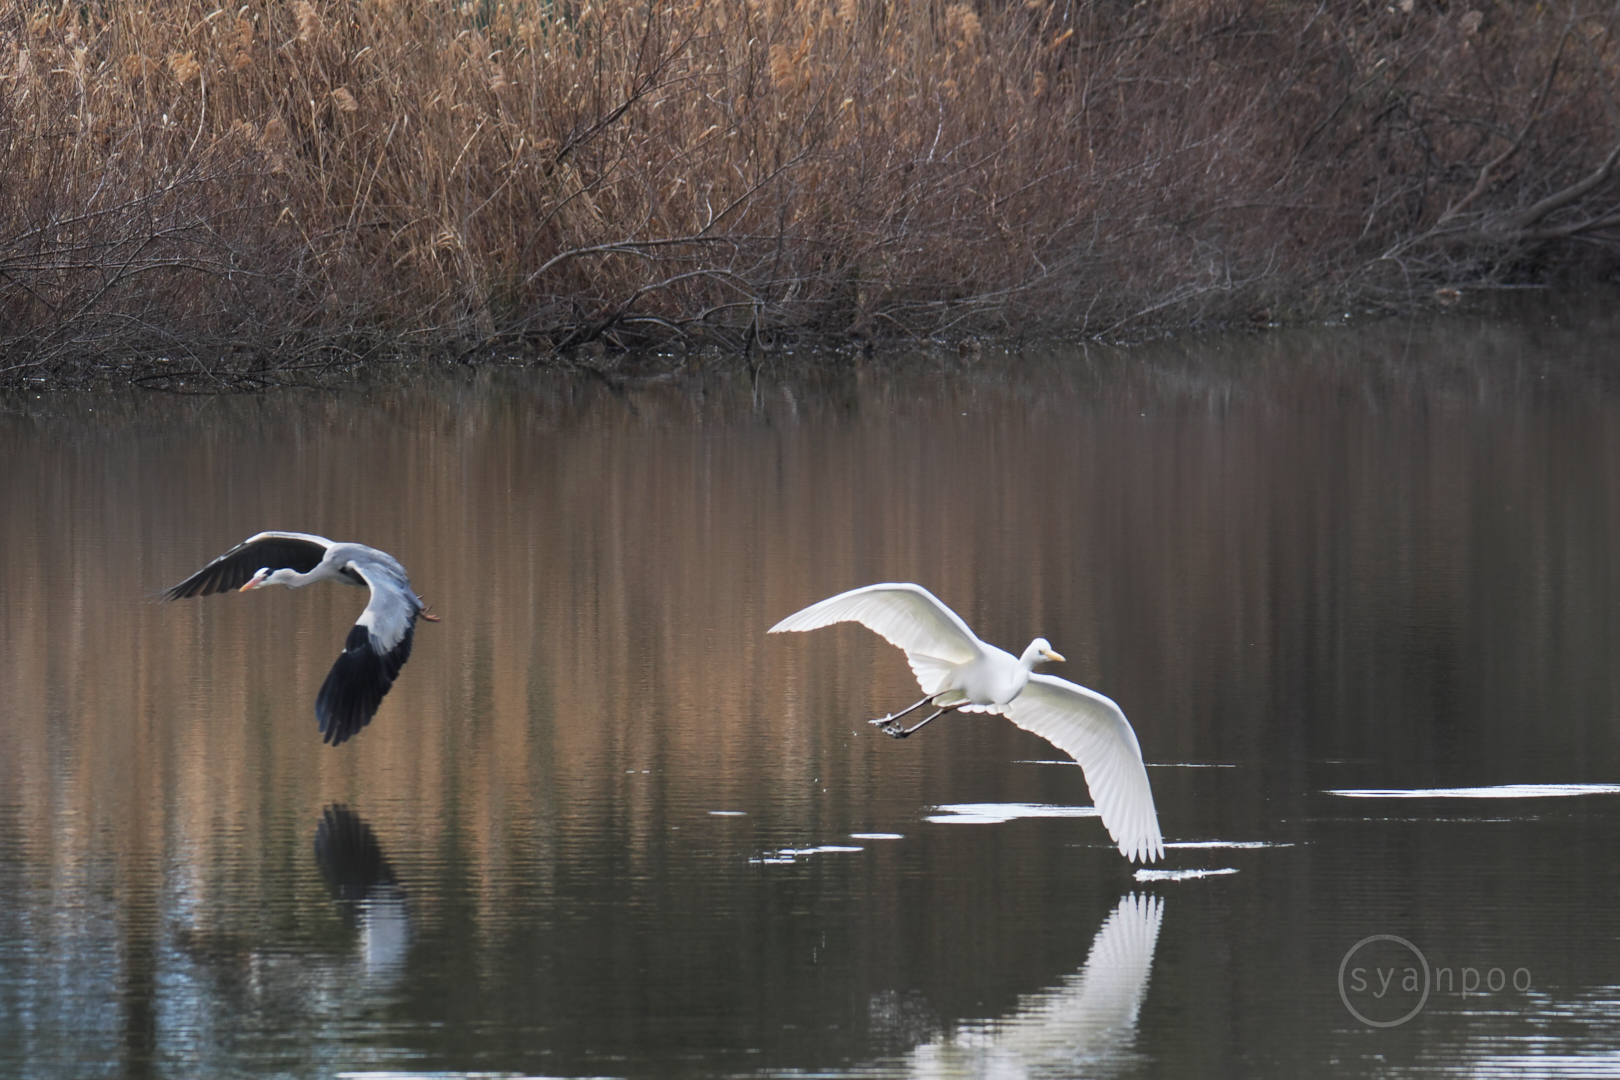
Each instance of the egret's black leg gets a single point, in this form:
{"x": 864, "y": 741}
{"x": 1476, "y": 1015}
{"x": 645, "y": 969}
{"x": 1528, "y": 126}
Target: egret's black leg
{"x": 898, "y": 732}
{"x": 885, "y": 721}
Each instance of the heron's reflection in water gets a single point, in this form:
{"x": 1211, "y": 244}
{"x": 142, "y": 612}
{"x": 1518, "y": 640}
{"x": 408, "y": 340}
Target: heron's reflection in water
{"x": 1083, "y": 1025}
{"x": 359, "y": 878}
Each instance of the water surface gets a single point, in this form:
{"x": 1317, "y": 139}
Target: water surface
{"x": 1345, "y": 584}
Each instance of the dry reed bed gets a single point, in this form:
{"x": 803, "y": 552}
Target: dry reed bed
{"x": 230, "y": 192}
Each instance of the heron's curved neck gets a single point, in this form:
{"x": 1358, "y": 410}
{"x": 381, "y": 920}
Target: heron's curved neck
{"x": 291, "y": 578}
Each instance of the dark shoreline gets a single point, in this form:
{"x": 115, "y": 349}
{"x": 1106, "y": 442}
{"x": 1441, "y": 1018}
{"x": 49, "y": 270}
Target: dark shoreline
{"x": 1485, "y": 332}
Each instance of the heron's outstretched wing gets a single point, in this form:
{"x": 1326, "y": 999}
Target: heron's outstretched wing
{"x": 1091, "y": 729}
{"x": 377, "y": 647}
{"x": 277, "y": 550}
{"x": 933, "y": 637}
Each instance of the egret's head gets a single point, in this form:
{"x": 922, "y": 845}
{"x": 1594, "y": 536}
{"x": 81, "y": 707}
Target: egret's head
{"x": 265, "y": 577}
{"x": 1043, "y": 653}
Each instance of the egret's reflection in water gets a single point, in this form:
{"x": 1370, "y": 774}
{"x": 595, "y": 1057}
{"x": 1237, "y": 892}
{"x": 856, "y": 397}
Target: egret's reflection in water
{"x": 1085, "y": 1024}
{"x": 359, "y": 878}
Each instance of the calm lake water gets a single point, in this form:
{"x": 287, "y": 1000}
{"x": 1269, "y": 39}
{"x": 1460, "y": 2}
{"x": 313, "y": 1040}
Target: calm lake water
{"x": 605, "y": 826}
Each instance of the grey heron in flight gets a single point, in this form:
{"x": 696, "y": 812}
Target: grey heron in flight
{"x": 377, "y": 646}
{"x": 957, "y": 671}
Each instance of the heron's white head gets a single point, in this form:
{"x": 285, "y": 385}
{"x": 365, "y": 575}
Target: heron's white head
{"x": 265, "y": 577}
{"x": 1040, "y": 651}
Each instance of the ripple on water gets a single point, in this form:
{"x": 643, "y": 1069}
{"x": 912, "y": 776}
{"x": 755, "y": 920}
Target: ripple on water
{"x": 1501, "y": 791}
{"x": 996, "y": 813}
{"x": 1181, "y": 875}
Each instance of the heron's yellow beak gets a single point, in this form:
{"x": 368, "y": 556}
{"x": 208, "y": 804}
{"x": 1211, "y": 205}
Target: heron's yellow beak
{"x": 1054, "y": 656}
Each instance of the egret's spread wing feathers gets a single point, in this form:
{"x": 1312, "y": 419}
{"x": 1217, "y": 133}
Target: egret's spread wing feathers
{"x": 933, "y": 637}
{"x": 1091, "y": 729}
{"x": 933, "y": 674}
{"x": 377, "y": 647}
{"x": 277, "y": 550}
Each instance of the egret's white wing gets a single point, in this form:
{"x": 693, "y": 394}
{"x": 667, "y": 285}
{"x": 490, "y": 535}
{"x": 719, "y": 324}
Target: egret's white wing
{"x": 1091, "y": 729}
{"x": 933, "y": 637}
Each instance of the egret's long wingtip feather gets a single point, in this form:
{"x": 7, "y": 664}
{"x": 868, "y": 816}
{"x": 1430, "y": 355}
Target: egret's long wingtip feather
{"x": 1093, "y": 730}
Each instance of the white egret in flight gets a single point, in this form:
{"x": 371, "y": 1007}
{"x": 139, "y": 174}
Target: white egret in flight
{"x": 957, "y": 671}
{"x": 380, "y": 642}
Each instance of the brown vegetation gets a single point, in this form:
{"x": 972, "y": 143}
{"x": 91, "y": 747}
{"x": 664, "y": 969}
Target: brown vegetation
{"x": 233, "y": 191}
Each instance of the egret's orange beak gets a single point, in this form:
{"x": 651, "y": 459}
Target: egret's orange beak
{"x": 1054, "y": 656}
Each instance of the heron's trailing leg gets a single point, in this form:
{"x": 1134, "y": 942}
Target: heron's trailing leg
{"x": 886, "y": 721}
{"x": 896, "y": 731}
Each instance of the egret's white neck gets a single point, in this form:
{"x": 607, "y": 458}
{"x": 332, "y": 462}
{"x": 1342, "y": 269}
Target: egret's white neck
{"x": 1039, "y": 652}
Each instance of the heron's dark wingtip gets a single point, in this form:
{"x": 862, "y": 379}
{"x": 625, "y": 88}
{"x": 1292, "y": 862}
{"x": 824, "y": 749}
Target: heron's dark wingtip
{"x": 203, "y": 583}
{"x": 181, "y": 591}
{"x": 356, "y": 685}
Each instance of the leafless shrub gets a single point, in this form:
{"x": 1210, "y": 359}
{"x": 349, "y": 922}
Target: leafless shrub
{"x": 240, "y": 190}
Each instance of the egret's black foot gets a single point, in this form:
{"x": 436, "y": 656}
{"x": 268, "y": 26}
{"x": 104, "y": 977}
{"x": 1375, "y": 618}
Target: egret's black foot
{"x": 895, "y": 731}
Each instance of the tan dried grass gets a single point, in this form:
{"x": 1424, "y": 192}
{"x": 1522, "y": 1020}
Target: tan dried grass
{"x": 741, "y": 166}
{"x": 184, "y": 67}
{"x": 309, "y": 21}
{"x": 962, "y": 23}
